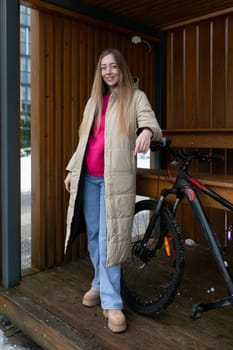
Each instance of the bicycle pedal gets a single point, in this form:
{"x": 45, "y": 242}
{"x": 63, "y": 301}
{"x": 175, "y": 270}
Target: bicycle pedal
{"x": 196, "y": 311}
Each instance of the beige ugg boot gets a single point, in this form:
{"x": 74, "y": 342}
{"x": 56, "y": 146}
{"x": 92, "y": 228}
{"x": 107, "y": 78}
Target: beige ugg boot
{"x": 91, "y": 298}
{"x": 116, "y": 320}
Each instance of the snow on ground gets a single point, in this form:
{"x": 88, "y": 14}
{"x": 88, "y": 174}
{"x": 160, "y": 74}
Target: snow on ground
{"x": 4, "y": 344}
{"x": 143, "y": 160}
{"x": 25, "y": 167}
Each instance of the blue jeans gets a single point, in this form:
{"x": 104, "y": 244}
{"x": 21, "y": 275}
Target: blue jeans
{"x": 106, "y": 279}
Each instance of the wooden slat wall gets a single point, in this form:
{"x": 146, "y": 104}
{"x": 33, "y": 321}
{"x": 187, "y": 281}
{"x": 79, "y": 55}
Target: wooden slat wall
{"x": 200, "y": 96}
{"x": 64, "y": 55}
{"x": 200, "y": 75}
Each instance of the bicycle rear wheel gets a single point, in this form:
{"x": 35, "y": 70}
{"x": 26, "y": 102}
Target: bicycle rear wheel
{"x": 150, "y": 283}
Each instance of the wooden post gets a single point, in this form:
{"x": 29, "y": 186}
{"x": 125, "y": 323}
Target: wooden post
{"x": 10, "y": 178}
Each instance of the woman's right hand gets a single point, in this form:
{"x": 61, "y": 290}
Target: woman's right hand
{"x": 67, "y": 182}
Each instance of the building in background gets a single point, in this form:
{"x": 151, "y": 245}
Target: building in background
{"x": 25, "y": 79}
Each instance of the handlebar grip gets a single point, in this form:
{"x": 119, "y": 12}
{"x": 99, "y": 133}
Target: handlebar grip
{"x": 162, "y": 143}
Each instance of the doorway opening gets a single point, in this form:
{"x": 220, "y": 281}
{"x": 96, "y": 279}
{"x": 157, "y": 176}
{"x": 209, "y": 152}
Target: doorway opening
{"x": 25, "y": 135}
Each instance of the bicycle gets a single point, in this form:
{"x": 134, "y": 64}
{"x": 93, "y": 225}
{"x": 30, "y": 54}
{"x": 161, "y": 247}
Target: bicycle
{"x": 153, "y": 271}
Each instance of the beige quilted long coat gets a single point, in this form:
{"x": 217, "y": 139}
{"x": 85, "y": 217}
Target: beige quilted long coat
{"x": 119, "y": 173}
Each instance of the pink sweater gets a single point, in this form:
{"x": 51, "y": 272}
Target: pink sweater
{"x": 95, "y": 146}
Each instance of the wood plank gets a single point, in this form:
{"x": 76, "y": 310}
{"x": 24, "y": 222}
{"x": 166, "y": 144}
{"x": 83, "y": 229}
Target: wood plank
{"x": 58, "y": 161}
{"x": 65, "y": 298}
{"x": 219, "y": 74}
{"x": 169, "y": 80}
{"x": 49, "y": 122}
{"x": 190, "y": 79}
{"x": 150, "y": 183}
{"x": 204, "y": 86}
{"x": 55, "y": 319}
{"x": 44, "y": 328}
{"x": 176, "y": 119}
{"x": 200, "y": 138}
{"x": 229, "y": 72}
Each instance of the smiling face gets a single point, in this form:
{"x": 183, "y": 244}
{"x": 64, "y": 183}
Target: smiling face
{"x": 110, "y": 71}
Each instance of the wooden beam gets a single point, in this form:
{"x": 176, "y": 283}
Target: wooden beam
{"x": 200, "y": 138}
{"x": 200, "y": 18}
{"x": 84, "y": 12}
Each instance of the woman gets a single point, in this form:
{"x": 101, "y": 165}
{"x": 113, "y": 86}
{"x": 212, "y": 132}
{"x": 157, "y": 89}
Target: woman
{"x": 118, "y": 123}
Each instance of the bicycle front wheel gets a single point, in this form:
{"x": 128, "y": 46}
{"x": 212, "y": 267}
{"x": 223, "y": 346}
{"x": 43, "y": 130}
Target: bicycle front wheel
{"x": 150, "y": 282}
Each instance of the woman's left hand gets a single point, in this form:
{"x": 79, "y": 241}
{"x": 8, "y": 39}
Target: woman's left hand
{"x": 143, "y": 141}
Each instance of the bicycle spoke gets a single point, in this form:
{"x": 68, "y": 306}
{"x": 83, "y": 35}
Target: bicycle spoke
{"x": 150, "y": 280}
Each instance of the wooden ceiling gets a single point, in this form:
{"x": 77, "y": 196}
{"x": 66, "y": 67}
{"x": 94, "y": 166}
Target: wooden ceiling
{"x": 159, "y": 14}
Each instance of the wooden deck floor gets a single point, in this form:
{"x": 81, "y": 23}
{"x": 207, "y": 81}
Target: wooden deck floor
{"x": 47, "y": 307}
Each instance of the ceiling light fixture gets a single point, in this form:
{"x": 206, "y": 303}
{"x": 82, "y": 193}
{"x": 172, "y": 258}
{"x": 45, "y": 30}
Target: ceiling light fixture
{"x": 138, "y": 40}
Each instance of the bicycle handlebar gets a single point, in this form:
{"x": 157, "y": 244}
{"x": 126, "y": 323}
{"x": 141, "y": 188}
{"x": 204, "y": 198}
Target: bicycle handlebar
{"x": 165, "y": 144}
{"x": 162, "y": 143}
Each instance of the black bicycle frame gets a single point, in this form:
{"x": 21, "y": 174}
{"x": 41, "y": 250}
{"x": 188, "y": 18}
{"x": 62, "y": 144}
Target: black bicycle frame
{"x": 187, "y": 186}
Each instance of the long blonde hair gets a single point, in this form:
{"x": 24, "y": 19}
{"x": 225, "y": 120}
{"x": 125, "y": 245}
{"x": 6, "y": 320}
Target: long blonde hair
{"x": 124, "y": 91}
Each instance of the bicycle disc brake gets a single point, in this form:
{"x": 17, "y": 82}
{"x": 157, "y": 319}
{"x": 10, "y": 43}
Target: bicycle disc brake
{"x": 142, "y": 253}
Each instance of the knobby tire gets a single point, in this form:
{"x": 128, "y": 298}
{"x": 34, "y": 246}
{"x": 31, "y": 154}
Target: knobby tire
{"x": 150, "y": 286}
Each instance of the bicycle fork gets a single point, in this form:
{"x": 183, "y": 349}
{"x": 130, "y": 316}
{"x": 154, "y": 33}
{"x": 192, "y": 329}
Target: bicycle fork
{"x": 141, "y": 251}
{"x": 216, "y": 252}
